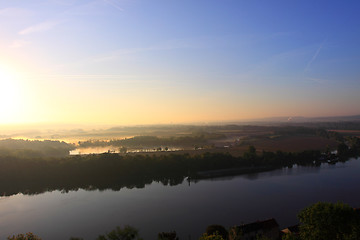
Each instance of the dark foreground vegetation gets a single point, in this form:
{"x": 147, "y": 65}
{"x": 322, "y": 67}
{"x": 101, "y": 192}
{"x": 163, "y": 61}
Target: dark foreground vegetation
{"x": 320, "y": 221}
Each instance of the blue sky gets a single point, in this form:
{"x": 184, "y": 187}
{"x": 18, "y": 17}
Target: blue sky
{"x": 138, "y": 62}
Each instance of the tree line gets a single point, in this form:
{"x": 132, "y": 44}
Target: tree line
{"x": 116, "y": 171}
{"x": 154, "y": 141}
{"x": 34, "y": 148}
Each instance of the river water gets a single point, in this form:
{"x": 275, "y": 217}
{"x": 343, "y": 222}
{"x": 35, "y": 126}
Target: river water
{"x": 185, "y": 208}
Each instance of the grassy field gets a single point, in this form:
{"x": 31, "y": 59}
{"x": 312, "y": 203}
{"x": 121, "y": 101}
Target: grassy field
{"x": 297, "y": 143}
{"x": 354, "y": 133}
{"x": 294, "y": 143}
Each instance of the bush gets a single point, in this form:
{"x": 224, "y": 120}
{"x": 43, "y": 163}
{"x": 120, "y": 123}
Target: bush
{"x": 217, "y": 229}
{"x": 126, "y": 233}
{"x": 323, "y": 221}
{"x": 27, "y": 236}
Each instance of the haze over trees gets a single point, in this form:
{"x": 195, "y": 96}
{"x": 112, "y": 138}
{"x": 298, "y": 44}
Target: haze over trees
{"x": 34, "y": 148}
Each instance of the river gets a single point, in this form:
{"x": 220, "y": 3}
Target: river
{"x": 185, "y": 208}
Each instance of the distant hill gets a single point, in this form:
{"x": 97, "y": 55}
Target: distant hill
{"x": 300, "y": 119}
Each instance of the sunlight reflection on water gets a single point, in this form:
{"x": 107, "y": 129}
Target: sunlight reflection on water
{"x": 113, "y": 149}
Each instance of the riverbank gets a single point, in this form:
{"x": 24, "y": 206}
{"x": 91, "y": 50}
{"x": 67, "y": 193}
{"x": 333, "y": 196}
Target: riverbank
{"x": 116, "y": 171}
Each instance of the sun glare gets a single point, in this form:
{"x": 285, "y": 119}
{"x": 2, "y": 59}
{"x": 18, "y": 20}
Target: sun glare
{"x": 10, "y": 97}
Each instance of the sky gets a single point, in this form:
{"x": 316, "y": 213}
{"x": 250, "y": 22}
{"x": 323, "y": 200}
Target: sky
{"x": 129, "y": 62}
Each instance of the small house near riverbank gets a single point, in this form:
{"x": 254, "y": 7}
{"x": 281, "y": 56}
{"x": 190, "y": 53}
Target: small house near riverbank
{"x": 294, "y": 230}
{"x": 268, "y": 228}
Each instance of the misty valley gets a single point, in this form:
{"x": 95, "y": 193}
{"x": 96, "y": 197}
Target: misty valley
{"x": 179, "y": 120}
{"x": 242, "y": 173}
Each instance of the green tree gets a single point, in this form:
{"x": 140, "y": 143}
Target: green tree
{"x": 342, "y": 149}
{"x": 290, "y": 236}
{"x": 235, "y": 233}
{"x": 217, "y": 229}
{"x": 250, "y": 153}
{"x": 123, "y": 150}
{"x": 327, "y": 150}
{"x": 262, "y": 237}
{"x": 215, "y": 236}
{"x": 324, "y": 221}
{"x": 27, "y": 236}
{"x": 167, "y": 236}
{"x": 126, "y": 233}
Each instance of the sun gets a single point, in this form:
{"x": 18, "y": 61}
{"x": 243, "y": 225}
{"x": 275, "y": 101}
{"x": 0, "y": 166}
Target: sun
{"x": 10, "y": 97}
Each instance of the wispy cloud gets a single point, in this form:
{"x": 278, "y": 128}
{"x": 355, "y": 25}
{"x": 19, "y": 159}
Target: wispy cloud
{"x": 277, "y": 61}
{"x": 130, "y": 51}
{"x": 15, "y": 12}
{"x": 121, "y": 52}
{"x": 41, "y": 27}
{"x": 114, "y": 4}
{"x": 88, "y": 8}
{"x": 96, "y": 7}
{"x": 128, "y": 54}
{"x": 318, "y": 80}
{"x": 19, "y": 43}
{"x": 108, "y": 78}
{"x": 314, "y": 57}
{"x": 64, "y": 2}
